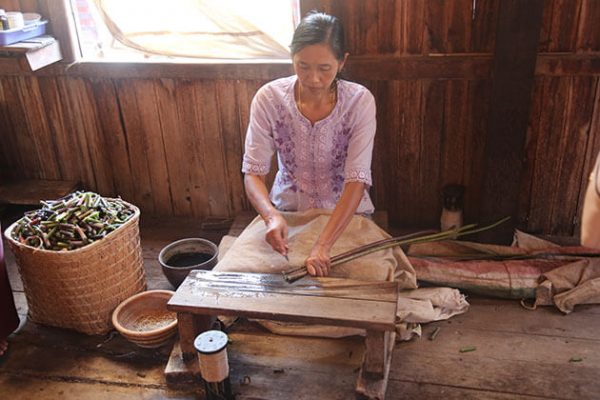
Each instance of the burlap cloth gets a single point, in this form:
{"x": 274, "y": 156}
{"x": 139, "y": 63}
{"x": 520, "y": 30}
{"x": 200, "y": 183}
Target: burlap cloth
{"x": 563, "y": 281}
{"x": 251, "y": 253}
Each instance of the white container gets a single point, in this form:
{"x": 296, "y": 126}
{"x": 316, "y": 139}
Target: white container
{"x": 15, "y": 20}
{"x": 31, "y": 18}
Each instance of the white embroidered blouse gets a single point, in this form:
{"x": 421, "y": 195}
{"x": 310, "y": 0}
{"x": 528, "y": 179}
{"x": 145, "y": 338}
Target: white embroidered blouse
{"x": 314, "y": 161}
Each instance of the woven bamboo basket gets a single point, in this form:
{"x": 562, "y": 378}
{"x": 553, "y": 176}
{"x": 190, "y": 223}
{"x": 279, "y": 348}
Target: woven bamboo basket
{"x": 79, "y": 289}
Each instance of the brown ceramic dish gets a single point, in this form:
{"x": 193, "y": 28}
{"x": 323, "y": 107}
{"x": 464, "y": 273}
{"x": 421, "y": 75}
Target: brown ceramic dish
{"x": 143, "y": 319}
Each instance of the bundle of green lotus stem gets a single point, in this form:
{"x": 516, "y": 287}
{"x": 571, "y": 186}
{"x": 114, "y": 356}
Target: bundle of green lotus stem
{"x": 72, "y": 222}
{"x": 292, "y": 275}
{"x": 509, "y": 257}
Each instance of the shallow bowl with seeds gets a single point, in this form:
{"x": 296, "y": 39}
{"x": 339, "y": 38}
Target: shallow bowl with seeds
{"x": 143, "y": 319}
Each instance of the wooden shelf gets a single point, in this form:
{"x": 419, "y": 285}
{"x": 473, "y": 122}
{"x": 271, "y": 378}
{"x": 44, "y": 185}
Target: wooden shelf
{"x": 30, "y": 192}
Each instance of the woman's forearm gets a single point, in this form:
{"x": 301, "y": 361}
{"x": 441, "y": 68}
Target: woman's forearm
{"x": 342, "y": 214}
{"x": 277, "y": 230}
{"x": 590, "y": 219}
{"x": 256, "y": 190}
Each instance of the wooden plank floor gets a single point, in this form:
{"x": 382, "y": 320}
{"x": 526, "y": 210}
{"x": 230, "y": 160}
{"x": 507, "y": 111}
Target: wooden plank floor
{"x": 519, "y": 354}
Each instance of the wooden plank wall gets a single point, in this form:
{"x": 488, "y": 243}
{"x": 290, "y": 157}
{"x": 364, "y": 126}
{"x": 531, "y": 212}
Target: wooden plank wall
{"x": 172, "y": 142}
{"x": 564, "y": 128}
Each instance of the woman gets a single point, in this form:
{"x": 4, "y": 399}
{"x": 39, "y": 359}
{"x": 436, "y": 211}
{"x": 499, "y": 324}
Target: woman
{"x": 9, "y": 320}
{"x": 590, "y": 221}
{"x": 322, "y": 129}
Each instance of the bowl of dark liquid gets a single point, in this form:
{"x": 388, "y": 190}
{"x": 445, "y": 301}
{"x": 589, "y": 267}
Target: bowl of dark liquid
{"x": 179, "y": 258}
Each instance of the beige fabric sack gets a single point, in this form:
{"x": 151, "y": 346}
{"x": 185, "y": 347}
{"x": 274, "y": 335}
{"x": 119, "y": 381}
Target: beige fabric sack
{"x": 569, "y": 285}
{"x": 251, "y": 253}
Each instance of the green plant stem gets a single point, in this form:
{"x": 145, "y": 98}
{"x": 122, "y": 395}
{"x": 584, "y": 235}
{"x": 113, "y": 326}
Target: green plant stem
{"x": 295, "y": 274}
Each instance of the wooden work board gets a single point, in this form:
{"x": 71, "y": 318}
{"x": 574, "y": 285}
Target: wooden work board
{"x": 327, "y": 301}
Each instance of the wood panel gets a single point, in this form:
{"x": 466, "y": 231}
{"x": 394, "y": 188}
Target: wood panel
{"x": 587, "y": 31}
{"x": 231, "y": 144}
{"x": 433, "y": 121}
{"x": 12, "y": 159}
{"x": 12, "y": 5}
{"x": 430, "y": 134}
{"x": 559, "y": 25}
{"x": 176, "y": 138}
{"x": 113, "y": 141}
{"x": 413, "y": 26}
{"x": 517, "y": 38}
{"x": 213, "y": 156}
{"x": 67, "y": 105}
{"x": 136, "y": 143}
{"x": 31, "y": 141}
{"x": 479, "y": 108}
{"x": 484, "y": 21}
{"x": 570, "y": 26}
{"x": 562, "y": 144}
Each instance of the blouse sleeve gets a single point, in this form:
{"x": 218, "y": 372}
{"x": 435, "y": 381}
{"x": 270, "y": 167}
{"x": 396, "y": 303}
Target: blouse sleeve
{"x": 259, "y": 145}
{"x": 360, "y": 146}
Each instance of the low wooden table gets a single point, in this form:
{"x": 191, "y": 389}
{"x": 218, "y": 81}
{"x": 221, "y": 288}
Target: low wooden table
{"x": 327, "y": 301}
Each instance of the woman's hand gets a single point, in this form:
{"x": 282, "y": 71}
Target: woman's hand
{"x": 277, "y": 233}
{"x": 318, "y": 262}
{"x": 277, "y": 229}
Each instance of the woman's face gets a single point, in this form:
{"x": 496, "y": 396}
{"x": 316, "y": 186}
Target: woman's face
{"x": 316, "y": 67}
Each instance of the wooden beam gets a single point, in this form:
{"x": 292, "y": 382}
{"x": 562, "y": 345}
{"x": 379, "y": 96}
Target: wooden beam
{"x": 259, "y": 70}
{"x": 63, "y": 27}
{"x": 563, "y": 64}
{"x": 372, "y": 68}
{"x": 517, "y": 37}
{"x": 454, "y": 66}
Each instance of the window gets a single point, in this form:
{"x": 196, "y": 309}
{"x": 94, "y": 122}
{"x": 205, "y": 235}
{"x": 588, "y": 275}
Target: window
{"x": 179, "y": 30}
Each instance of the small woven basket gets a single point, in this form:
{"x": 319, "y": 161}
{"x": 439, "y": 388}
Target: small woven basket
{"x": 79, "y": 289}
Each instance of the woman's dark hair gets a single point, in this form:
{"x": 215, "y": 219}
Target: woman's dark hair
{"x": 318, "y": 27}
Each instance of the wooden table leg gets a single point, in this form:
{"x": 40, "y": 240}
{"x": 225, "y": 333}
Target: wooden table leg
{"x": 187, "y": 334}
{"x": 373, "y": 375}
{"x": 183, "y": 368}
{"x": 191, "y": 325}
{"x": 375, "y": 354}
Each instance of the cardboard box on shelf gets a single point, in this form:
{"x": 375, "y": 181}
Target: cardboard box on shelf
{"x": 34, "y": 53}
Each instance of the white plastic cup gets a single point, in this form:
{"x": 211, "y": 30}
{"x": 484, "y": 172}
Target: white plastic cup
{"x": 15, "y": 20}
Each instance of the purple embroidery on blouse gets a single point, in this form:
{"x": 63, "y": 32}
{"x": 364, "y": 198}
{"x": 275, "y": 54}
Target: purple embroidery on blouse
{"x": 339, "y": 155}
{"x": 286, "y": 148}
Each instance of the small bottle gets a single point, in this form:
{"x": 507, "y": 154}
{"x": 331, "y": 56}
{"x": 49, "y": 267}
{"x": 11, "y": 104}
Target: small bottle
{"x": 452, "y": 211}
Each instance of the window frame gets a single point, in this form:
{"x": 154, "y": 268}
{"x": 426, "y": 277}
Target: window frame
{"x": 63, "y": 28}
